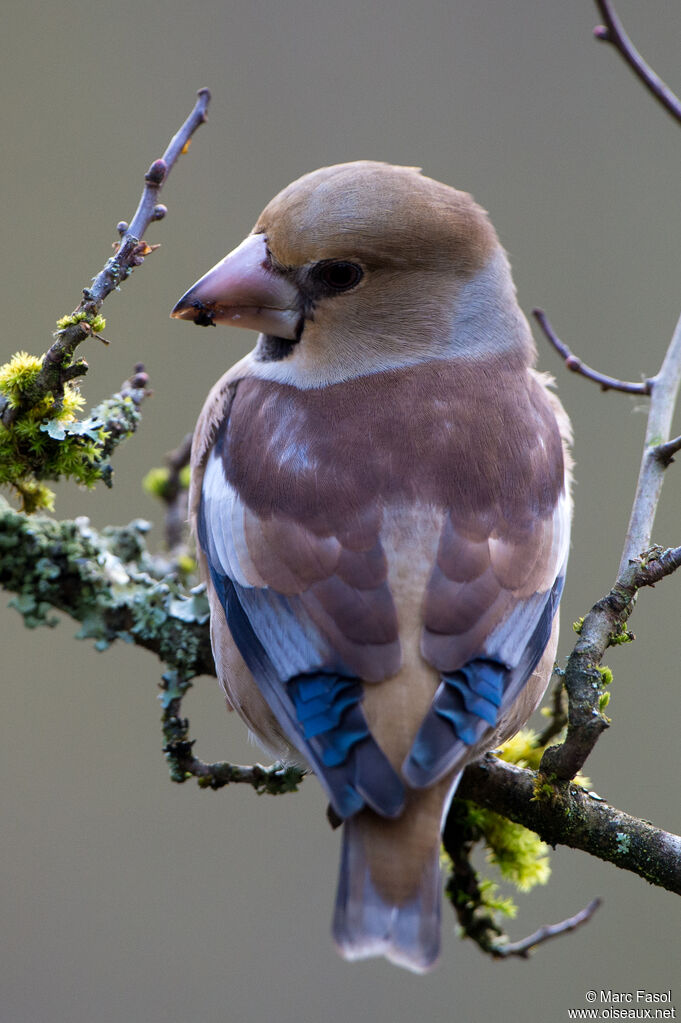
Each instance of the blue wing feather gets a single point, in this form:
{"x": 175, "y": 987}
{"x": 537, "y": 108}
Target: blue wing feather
{"x": 471, "y": 700}
{"x": 319, "y": 711}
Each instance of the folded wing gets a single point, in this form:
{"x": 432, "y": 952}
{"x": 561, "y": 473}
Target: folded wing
{"x": 488, "y": 616}
{"x": 311, "y": 615}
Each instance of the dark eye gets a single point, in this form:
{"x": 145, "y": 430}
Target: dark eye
{"x": 340, "y": 275}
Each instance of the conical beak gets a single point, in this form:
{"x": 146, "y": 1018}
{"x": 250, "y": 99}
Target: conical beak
{"x": 244, "y": 291}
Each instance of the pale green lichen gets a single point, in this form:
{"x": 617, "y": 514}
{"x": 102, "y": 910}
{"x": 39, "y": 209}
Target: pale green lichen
{"x": 109, "y": 581}
{"x": 157, "y": 481}
{"x": 623, "y": 842}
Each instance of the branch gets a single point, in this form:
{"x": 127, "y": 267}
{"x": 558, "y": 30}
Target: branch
{"x": 567, "y": 815}
{"x": 58, "y": 365}
{"x": 548, "y": 931}
{"x": 606, "y": 622}
{"x": 665, "y": 452}
{"x": 663, "y": 395}
{"x": 576, "y": 365}
{"x": 274, "y": 780}
{"x": 605, "y": 625}
{"x": 105, "y": 580}
{"x": 613, "y": 32}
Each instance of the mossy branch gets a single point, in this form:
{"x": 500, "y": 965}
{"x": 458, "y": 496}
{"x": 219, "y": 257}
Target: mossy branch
{"x": 568, "y": 815}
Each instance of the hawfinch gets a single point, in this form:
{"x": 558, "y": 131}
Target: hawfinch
{"x": 380, "y": 492}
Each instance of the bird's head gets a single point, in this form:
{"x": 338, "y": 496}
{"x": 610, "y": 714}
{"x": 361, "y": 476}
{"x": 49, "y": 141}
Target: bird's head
{"x": 361, "y": 267}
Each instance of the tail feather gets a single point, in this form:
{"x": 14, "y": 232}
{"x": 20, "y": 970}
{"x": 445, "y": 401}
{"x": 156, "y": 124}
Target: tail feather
{"x": 397, "y": 916}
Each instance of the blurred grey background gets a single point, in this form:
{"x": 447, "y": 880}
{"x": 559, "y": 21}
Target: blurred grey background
{"x": 123, "y": 896}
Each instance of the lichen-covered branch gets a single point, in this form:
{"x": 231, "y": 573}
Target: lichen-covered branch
{"x": 108, "y": 582}
{"x": 567, "y": 815}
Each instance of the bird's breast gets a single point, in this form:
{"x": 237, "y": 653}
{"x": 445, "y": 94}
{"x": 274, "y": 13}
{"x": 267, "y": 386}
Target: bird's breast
{"x": 437, "y": 434}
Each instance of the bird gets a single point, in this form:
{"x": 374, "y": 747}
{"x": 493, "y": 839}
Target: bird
{"x": 380, "y": 492}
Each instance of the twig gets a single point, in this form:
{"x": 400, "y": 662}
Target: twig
{"x": 613, "y": 32}
{"x": 58, "y": 365}
{"x": 640, "y": 565}
{"x": 575, "y": 364}
{"x": 179, "y": 750}
{"x": 524, "y": 947}
{"x": 665, "y": 452}
{"x": 664, "y": 392}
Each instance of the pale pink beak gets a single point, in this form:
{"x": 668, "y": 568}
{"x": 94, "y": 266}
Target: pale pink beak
{"x": 244, "y": 291}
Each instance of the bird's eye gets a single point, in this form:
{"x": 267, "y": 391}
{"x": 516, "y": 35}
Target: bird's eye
{"x": 339, "y": 275}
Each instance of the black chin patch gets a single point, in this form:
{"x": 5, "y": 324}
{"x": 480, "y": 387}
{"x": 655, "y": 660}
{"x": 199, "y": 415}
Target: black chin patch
{"x": 274, "y": 349}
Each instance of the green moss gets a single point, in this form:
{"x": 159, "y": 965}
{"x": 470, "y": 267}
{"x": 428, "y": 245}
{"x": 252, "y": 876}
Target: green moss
{"x": 48, "y": 441}
{"x": 96, "y": 322}
{"x": 520, "y": 855}
{"x": 623, "y": 636}
{"x": 18, "y": 375}
{"x": 606, "y": 675}
{"x": 490, "y": 898}
{"x": 156, "y": 482}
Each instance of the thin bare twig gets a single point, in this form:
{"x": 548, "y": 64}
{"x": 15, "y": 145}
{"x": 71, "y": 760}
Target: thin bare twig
{"x": 575, "y": 364}
{"x": 613, "y": 32}
{"x": 58, "y": 365}
{"x": 524, "y": 947}
{"x": 664, "y": 392}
